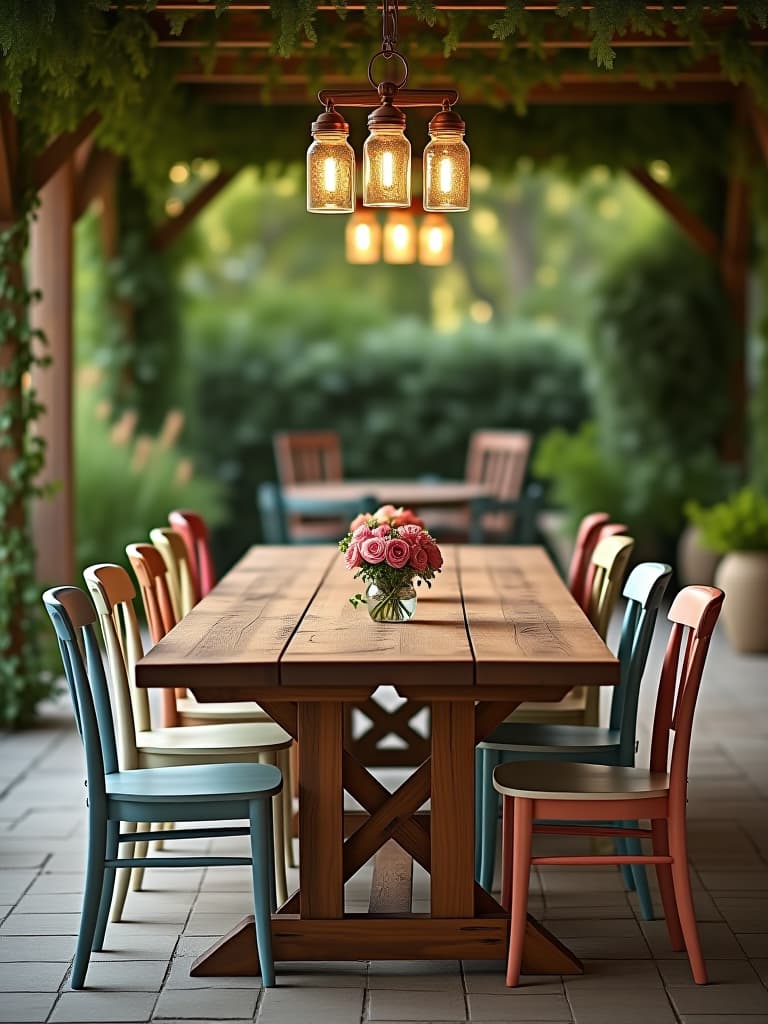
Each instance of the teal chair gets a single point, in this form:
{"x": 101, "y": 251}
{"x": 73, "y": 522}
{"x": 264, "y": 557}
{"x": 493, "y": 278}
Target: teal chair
{"x": 210, "y": 792}
{"x": 615, "y": 745}
{"x": 322, "y": 520}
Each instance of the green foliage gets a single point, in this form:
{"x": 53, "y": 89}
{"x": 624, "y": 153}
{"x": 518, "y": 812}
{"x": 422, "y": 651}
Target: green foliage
{"x": 403, "y": 398}
{"x": 660, "y": 347}
{"x": 24, "y": 681}
{"x": 738, "y": 524}
{"x": 127, "y": 484}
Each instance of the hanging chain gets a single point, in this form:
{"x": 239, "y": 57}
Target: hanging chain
{"x": 389, "y": 27}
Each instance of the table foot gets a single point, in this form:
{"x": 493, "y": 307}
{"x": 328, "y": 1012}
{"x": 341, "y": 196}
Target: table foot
{"x": 363, "y": 937}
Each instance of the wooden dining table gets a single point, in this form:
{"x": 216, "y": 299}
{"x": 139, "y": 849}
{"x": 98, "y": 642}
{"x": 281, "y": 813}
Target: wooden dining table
{"x": 498, "y": 627}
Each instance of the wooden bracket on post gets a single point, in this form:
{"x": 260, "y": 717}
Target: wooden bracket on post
{"x": 690, "y": 223}
{"x": 170, "y": 230}
{"x": 61, "y": 149}
{"x": 9, "y": 152}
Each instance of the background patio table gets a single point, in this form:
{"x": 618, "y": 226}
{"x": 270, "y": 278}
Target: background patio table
{"x": 413, "y": 494}
{"x": 499, "y": 627}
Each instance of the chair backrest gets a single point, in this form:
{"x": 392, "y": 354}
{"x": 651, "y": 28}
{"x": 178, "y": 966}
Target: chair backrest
{"x": 194, "y": 532}
{"x": 605, "y": 530}
{"x": 112, "y": 593}
{"x": 171, "y": 546}
{"x": 610, "y": 559}
{"x": 152, "y": 576}
{"x": 272, "y": 513}
{"x": 586, "y": 540}
{"x": 73, "y": 616}
{"x": 499, "y": 458}
{"x": 306, "y": 456}
{"x": 694, "y": 613}
{"x": 644, "y": 591}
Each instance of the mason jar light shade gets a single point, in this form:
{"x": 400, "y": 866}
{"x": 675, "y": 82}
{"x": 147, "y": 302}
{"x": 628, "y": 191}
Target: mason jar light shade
{"x": 400, "y": 238}
{"x": 386, "y": 167}
{"x": 446, "y": 164}
{"x": 330, "y": 166}
{"x": 435, "y": 241}
{"x": 363, "y": 238}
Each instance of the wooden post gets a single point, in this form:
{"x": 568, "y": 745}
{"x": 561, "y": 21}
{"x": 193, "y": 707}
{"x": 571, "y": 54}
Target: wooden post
{"x": 51, "y": 273}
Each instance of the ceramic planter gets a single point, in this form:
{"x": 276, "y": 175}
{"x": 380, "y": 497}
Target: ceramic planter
{"x": 743, "y": 575}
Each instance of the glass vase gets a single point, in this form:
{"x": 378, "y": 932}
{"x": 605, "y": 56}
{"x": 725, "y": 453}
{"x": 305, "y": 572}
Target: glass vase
{"x": 396, "y": 605}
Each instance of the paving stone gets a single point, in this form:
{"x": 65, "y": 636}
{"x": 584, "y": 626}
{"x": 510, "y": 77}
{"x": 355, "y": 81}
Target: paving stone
{"x": 19, "y": 1007}
{"x": 126, "y": 975}
{"x": 32, "y": 977}
{"x": 208, "y": 1004}
{"x": 539, "y": 1007}
{"x": 400, "y": 1004}
{"x": 321, "y": 1006}
{"x": 103, "y": 1007}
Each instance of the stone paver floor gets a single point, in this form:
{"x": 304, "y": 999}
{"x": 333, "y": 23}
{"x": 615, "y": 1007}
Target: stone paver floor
{"x": 630, "y": 974}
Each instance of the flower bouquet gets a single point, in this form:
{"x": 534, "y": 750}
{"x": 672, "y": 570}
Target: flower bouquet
{"x": 389, "y": 549}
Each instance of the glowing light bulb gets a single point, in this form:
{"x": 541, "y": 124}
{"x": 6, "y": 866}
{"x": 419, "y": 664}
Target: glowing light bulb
{"x": 435, "y": 240}
{"x": 387, "y": 169}
{"x": 446, "y": 175}
{"x": 400, "y": 238}
{"x": 329, "y": 174}
{"x": 363, "y": 237}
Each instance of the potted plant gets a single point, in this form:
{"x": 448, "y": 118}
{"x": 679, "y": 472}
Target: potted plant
{"x": 738, "y": 529}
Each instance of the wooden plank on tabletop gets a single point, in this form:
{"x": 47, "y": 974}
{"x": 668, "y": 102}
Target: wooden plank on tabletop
{"x": 524, "y": 625}
{"x": 234, "y": 637}
{"x": 337, "y": 645}
{"x": 392, "y": 884}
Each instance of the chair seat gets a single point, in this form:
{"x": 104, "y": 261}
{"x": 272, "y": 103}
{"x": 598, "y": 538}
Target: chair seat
{"x": 236, "y": 711}
{"x": 561, "y": 780}
{"x": 197, "y": 783}
{"x": 541, "y": 738}
{"x": 223, "y": 739}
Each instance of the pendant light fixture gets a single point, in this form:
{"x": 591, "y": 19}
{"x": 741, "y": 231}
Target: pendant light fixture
{"x": 435, "y": 241}
{"x": 363, "y": 238}
{"x": 387, "y": 151}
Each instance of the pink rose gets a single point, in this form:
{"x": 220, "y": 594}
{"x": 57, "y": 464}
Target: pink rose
{"x": 373, "y": 550}
{"x": 412, "y": 533}
{"x": 384, "y": 513}
{"x": 434, "y": 557}
{"x": 362, "y": 532}
{"x": 359, "y": 520}
{"x": 398, "y": 552}
{"x": 352, "y": 556}
{"x": 419, "y": 559}
{"x": 382, "y": 531}
{"x": 405, "y": 517}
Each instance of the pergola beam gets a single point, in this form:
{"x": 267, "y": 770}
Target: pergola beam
{"x": 479, "y": 7}
{"x": 8, "y": 163}
{"x": 693, "y": 226}
{"x": 170, "y": 230}
{"x": 61, "y": 149}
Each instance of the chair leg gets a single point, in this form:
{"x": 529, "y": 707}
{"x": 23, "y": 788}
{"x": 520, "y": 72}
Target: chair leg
{"x": 107, "y": 887}
{"x": 620, "y": 846}
{"x": 281, "y": 882}
{"x": 123, "y": 877}
{"x": 507, "y": 848}
{"x": 634, "y": 847}
{"x": 478, "y": 811}
{"x": 137, "y": 874}
{"x": 489, "y": 818}
{"x": 666, "y": 885}
{"x": 92, "y": 890}
{"x": 521, "y": 871}
{"x": 684, "y": 898}
{"x": 262, "y": 869}
{"x": 287, "y": 820}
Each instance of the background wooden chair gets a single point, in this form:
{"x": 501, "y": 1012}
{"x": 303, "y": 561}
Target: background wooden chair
{"x": 583, "y": 794}
{"x": 194, "y": 533}
{"x": 286, "y": 519}
{"x": 151, "y": 574}
{"x": 522, "y": 741}
{"x": 307, "y": 456}
{"x": 206, "y": 792}
{"x": 142, "y": 746}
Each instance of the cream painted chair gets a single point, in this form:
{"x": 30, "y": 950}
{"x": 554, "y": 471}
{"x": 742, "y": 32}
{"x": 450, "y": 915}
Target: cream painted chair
{"x": 142, "y": 746}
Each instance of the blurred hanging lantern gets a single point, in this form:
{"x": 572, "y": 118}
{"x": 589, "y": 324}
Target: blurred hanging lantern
{"x": 330, "y": 166}
{"x": 400, "y": 238}
{"x": 446, "y": 163}
{"x": 363, "y": 238}
{"x": 435, "y": 241}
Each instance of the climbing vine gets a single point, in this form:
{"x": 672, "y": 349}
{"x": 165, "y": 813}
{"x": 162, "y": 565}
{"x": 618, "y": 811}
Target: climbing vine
{"x": 23, "y": 681}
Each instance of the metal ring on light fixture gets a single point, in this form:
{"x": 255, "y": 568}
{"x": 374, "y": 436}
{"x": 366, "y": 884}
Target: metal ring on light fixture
{"x": 388, "y": 56}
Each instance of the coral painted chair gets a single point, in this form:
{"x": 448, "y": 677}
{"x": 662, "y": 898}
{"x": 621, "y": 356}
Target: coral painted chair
{"x": 614, "y": 745}
{"x": 142, "y": 746}
{"x": 535, "y": 790}
{"x": 585, "y": 544}
{"x": 206, "y": 792}
{"x": 194, "y": 532}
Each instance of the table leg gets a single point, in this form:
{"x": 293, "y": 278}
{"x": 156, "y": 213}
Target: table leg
{"x": 452, "y": 806}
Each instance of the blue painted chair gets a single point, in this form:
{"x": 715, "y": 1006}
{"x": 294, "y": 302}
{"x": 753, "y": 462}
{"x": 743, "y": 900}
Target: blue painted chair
{"x": 193, "y": 793}
{"x": 615, "y": 745}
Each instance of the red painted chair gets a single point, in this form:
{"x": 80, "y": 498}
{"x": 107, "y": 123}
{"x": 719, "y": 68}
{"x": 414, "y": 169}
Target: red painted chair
{"x": 605, "y": 530}
{"x": 192, "y": 528}
{"x": 582, "y": 795}
{"x": 586, "y": 542}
